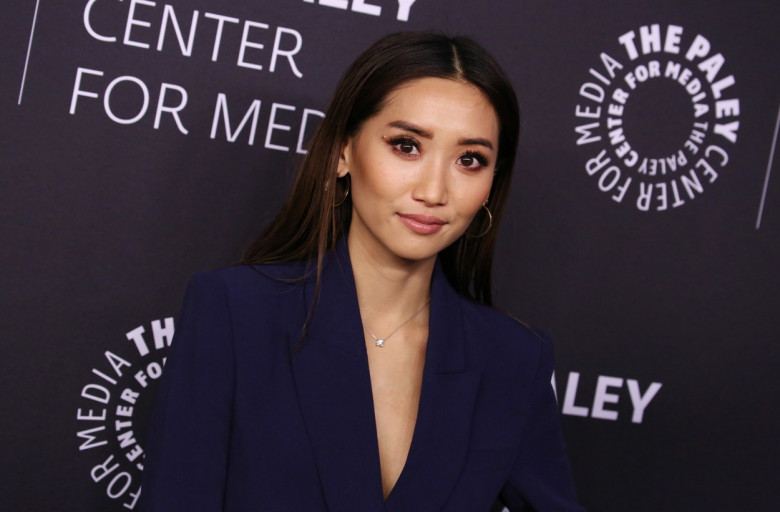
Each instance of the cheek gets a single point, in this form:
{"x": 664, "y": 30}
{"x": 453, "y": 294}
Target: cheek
{"x": 378, "y": 179}
{"x": 474, "y": 194}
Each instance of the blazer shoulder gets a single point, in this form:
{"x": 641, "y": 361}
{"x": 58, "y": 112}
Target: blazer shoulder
{"x": 270, "y": 279}
{"x": 504, "y": 334}
{"x": 496, "y": 319}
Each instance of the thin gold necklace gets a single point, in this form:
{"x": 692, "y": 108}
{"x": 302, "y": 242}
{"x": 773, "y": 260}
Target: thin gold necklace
{"x": 380, "y": 342}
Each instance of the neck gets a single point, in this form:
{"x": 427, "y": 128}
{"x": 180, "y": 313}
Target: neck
{"x": 389, "y": 290}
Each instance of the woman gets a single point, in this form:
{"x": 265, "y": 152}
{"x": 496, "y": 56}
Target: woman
{"x": 353, "y": 362}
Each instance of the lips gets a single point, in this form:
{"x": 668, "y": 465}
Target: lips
{"x": 422, "y": 224}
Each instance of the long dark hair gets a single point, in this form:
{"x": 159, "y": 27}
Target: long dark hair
{"x": 316, "y": 214}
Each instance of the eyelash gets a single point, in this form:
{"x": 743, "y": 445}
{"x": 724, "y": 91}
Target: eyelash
{"x": 395, "y": 142}
{"x": 476, "y": 155}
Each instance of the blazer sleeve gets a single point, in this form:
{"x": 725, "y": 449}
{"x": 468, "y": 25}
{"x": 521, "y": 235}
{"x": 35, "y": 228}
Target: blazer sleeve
{"x": 541, "y": 479}
{"x": 189, "y": 433}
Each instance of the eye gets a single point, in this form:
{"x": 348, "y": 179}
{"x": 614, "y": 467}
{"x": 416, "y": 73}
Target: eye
{"x": 472, "y": 160}
{"x": 407, "y": 146}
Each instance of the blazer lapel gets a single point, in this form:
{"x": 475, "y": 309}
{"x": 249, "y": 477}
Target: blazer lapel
{"x": 334, "y": 392}
{"x": 449, "y": 391}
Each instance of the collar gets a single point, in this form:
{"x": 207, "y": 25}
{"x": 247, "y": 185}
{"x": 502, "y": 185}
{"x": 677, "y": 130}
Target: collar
{"x": 338, "y": 311}
{"x": 333, "y": 385}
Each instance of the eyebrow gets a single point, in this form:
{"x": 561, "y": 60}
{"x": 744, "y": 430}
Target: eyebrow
{"x": 403, "y": 125}
{"x": 478, "y": 142}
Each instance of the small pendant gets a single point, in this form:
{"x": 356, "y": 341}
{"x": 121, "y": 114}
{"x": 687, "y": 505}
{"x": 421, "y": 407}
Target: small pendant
{"x": 380, "y": 343}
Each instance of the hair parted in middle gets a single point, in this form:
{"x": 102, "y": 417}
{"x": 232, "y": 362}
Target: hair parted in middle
{"x": 318, "y": 210}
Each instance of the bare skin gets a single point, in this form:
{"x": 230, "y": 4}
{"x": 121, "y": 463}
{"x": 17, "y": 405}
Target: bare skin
{"x": 396, "y": 382}
{"x": 396, "y": 368}
{"x": 420, "y": 170}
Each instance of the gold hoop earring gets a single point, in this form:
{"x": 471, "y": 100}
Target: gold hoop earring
{"x": 490, "y": 221}
{"x": 345, "y": 196}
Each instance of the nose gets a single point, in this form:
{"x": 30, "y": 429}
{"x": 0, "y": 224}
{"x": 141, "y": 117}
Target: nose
{"x": 432, "y": 184}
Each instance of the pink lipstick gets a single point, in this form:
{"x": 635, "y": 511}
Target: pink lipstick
{"x": 421, "y": 224}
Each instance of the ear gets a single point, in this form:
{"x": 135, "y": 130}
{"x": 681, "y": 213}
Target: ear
{"x": 344, "y": 159}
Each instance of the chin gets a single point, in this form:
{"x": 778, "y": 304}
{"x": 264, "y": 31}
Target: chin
{"x": 419, "y": 250}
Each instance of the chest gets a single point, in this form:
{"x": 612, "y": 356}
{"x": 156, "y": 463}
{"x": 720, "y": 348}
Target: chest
{"x": 396, "y": 373}
{"x": 345, "y": 428}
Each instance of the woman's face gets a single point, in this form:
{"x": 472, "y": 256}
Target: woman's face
{"x": 420, "y": 169}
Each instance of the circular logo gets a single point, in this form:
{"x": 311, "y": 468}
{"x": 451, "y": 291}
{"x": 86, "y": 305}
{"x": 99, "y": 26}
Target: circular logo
{"x": 657, "y": 122}
{"x": 114, "y": 407}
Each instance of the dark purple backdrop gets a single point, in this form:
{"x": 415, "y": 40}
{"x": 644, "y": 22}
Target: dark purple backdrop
{"x": 664, "y": 320}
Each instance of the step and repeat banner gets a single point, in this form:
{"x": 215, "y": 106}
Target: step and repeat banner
{"x": 143, "y": 140}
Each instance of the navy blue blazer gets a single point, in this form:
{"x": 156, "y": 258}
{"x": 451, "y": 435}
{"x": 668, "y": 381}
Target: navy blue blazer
{"x": 244, "y": 423}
